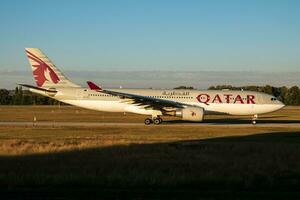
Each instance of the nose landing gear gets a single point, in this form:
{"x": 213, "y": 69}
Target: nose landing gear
{"x": 254, "y": 118}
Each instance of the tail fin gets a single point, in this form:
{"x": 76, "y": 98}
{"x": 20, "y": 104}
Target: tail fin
{"x": 45, "y": 73}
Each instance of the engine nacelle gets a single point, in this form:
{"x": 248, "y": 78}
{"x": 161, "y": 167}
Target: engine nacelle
{"x": 191, "y": 113}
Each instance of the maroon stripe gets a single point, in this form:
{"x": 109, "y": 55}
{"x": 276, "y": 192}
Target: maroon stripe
{"x": 38, "y": 61}
{"x": 34, "y": 56}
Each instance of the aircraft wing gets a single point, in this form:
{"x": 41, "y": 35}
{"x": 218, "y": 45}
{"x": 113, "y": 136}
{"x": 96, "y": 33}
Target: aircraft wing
{"x": 139, "y": 100}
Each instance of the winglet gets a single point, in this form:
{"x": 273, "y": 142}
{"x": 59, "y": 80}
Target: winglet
{"x": 93, "y": 86}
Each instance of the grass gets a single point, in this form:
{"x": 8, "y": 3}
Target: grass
{"x": 153, "y": 161}
{"x": 26, "y": 140}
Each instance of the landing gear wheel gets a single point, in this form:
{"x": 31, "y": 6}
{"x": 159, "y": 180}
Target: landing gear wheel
{"x": 157, "y": 121}
{"x": 254, "y": 118}
{"x": 161, "y": 120}
{"x": 148, "y": 121}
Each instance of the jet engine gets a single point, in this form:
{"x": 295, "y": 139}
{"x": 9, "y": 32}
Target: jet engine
{"x": 190, "y": 113}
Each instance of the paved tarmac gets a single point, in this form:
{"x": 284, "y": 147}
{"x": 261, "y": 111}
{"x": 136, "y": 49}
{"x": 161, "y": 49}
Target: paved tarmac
{"x": 167, "y": 123}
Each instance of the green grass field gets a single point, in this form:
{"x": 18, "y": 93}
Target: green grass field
{"x": 146, "y": 161}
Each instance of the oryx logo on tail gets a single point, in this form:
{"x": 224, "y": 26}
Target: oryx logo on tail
{"x": 42, "y": 72}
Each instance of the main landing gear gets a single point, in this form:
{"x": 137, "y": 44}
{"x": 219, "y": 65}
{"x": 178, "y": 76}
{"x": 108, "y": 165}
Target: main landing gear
{"x": 254, "y": 118}
{"x": 156, "y": 121}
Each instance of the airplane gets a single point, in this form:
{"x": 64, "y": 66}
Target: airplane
{"x": 189, "y": 105}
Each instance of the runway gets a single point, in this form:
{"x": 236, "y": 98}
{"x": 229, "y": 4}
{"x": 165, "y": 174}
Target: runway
{"x": 164, "y": 124}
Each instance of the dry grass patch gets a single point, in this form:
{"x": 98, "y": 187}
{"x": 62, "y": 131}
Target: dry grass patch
{"x": 25, "y": 140}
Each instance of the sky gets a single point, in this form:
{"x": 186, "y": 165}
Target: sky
{"x": 153, "y": 35}
{"x": 162, "y": 79}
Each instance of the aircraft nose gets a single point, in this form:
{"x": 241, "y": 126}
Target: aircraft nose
{"x": 280, "y": 104}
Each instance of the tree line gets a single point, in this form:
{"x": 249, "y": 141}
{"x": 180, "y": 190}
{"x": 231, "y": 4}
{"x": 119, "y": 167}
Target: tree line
{"x": 289, "y": 96}
{"x": 24, "y": 97}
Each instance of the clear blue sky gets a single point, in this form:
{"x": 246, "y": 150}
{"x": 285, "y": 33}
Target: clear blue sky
{"x": 208, "y": 35}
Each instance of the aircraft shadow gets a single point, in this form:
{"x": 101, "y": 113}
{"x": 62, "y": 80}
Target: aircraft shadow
{"x": 266, "y": 120}
{"x": 264, "y": 163}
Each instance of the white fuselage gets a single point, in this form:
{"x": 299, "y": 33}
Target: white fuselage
{"x": 212, "y": 101}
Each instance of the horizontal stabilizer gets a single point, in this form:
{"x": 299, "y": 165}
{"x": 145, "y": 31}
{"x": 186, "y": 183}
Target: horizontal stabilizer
{"x": 38, "y": 88}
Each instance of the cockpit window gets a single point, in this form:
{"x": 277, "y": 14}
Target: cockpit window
{"x": 273, "y": 99}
